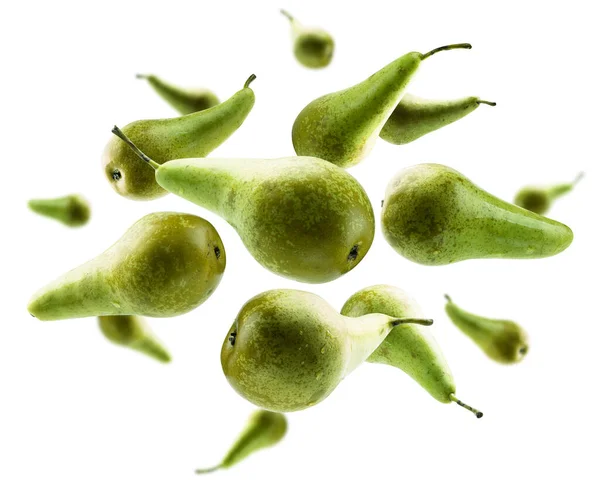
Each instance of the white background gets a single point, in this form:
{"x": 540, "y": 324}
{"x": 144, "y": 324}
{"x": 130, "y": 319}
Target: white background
{"x": 76, "y": 411}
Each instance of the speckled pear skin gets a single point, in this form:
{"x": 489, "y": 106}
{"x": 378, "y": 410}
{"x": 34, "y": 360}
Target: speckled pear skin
{"x": 504, "y": 341}
{"x": 185, "y": 101}
{"x": 166, "y": 264}
{"x": 71, "y": 210}
{"x": 133, "y": 332}
{"x": 313, "y": 47}
{"x": 287, "y": 350}
{"x": 300, "y": 217}
{"x": 434, "y": 215}
{"x": 539, "y": 199}
{"x": 414, "y": 117}
{"x": 193, "y": 135}
{"x": 412, "y": 348}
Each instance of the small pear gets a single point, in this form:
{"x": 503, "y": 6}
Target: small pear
{"x": 412, "y": 348}
{"x": 133, "y": 332}
{"x": 166, "y": 264}
{"x": 193, "y": 135}
{"x": 300, "y": 217}
{"x": 503, "y": 341}
{"x": 264, "y": 429}
{"x": 185, "y": 101}
{"x": 342, "y": 127}
{"x": 414, "y": 117}
{"x": 538, "y": 199}
{"x": 72, "y": 210}
{"x": 434, "y": 215}
{"x": 313, "y": 47}
{"x": 288, "y": 350}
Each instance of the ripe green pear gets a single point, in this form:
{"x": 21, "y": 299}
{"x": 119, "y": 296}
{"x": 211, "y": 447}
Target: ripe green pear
{"x": 313, "y": 47}
{"x": 133, "y": 332}
{"x": 434, "y": 215}
{"x": 288, "y": 350}
{"x": 538, "y": 199}
{"x": 503, "y": 341}
{"x": 412, "y": 348}
{"x": 71, "y": 210}
{"x": 166, "y": 264}
{"x": 264, "y": 429}
{"x": 185, "y": 101}
{"x": 300, "y": 217}
{"x": 342, "y": 127}
{"x": 414, "y": 117}
{"x": 193, "y": 135}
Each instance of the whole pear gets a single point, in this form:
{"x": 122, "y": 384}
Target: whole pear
{"x": 193, "y": 135}
{"x": 287, "y": 350}
{"x": 414, "y": 117}
{"x": 412, "y": 348}
{"x": 502, "y": 340}
{"x": 538, "y": 199}
{"x": 263, "y": 429}
{"x": 71, "y": 210}
{"x": 434, "y": 215}
{"x": 185, "y": 101}
{"x": 342, "y": 127}
{"x": 166, "y": 264}
{"x": 313, "y": 47}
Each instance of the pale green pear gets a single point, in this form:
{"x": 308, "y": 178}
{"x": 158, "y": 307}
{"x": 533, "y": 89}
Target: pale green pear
{"x": 72, "y": 210}
{"x": 313, "y": 47}
{"x": 538, "y": 199}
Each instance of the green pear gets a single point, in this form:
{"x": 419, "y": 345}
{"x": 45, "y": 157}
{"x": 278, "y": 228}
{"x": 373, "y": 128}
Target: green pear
{"x": 300, "y": 217}
{"x": 166, "y": 264}
{"x": 193, "y": 135}
{"x": 133, "y": 332}
{"x": 414, "y": 117}
{"x": 264, "y": 429}
{"x": 342, "y": 127}
{"x": 503, "y": 341}
{"x": 434, "y": 215}
{"x": 71, "y": 210}
{"x": 412, "y": 348}
{"x": 538, "y": 199}
{"x": 313, "y": 47}
{"x": 185, "y": 101}
{"x": 288, "y": 350}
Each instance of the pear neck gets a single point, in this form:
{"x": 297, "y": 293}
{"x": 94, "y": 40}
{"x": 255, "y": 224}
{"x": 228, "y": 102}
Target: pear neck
{"x": 559, "y": 190}
{"x": 365, "y": 334}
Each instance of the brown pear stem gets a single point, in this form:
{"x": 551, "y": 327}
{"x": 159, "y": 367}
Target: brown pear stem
{"x": 209, "y": 470}
{"x": 119, "y": 133}
{"x": 476, "y": 412}
{"x": 396, "y": 322}
{"x": 449, "y": 47}
{"x": 250, "y": 79}
{"x": 287, "y": 14}
{"x": 491, "y": 104}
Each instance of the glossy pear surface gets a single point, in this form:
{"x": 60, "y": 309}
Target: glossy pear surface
{"x": 313, "y": 47}
{"x": 193, "y": 135}
{"x": 71, "y": 210}
{"x": 502, "y": 340}
{"x": 538, "y": 199}
{"x": 166, "y": 264}
{"x": 414, "y": 117}
{"x": 434, "y": 215}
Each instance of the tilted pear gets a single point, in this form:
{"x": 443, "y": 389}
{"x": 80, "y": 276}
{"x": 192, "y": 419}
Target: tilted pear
{"x": 313, "y": 47}
{"x": 288, "y": 350}
{"x": 193, "y": 135}
{"x": 300, "y": 217}
{"x": 538, "y": 199}
{"x": 185, "y": 101}
{"x": 342, "y": 127}
{"x": 503, "y": 341}
{"x": 166, "y": 264}
{"x": 414, "y": 117}
{"x": 264, "y": 429}
{"x": 72, "y": 210}
{"x": 133, "y": 332}
{"x": 412, "y": 348}
{"x": 434, "y": 215}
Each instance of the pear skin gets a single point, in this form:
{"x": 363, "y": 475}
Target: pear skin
{"x": 539, "y": 199}
{"x": 71, "y": 210}
{"x": 313, "y": 47}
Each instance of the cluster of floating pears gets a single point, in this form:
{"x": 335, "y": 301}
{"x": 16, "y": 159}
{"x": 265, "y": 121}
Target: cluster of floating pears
{"x": 304, "y": 218}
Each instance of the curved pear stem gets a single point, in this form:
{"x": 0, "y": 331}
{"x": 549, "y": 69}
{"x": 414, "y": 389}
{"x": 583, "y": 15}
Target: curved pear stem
{"x": 578, "y": 178}
{"x": 449, "y": 47}
{"x": 396, "y": 322}
{"x": 119, "y": 133}
{"x": 447, "y": 297}
{"x": 476, "y": 412}
{"x": 250, "y": 79}
{"x": 491, "y": 104}
{"x": 141, "y": 76}
{"x": 209, "y": 470}
{"x": 285, "y": 13}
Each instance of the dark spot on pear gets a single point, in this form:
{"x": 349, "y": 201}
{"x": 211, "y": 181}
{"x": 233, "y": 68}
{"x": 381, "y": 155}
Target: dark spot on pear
{"x": 217, "y": 251}
{"x": 353, "y": 253}
{"x": 116, "y": 175}
{"x": 232, "y": 338}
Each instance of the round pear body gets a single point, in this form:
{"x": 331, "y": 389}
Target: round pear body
{"x": 434, "y": 215}
{"x": 71, "y": 210}
{"x": 166, "y": 264}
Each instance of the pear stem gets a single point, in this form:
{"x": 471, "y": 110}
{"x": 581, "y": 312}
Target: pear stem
{"x": 396, "y": 322}
{"x": 464, "y": 45}
{"x": 141, "y": 76}
{"x": 209, "y": 470}
{"x": 119, "y": 133}
{"x": 476, "y": 412}
{"x": 491, "y": 104}
{"x": 250, "y": 79}
{"x": 447, "y": 297}
{"x": 578, "y": 178}
{"x": 287, "y": 14}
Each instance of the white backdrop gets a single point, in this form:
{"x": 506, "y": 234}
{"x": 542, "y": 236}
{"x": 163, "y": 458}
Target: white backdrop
{"x": 76, "y": 411}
